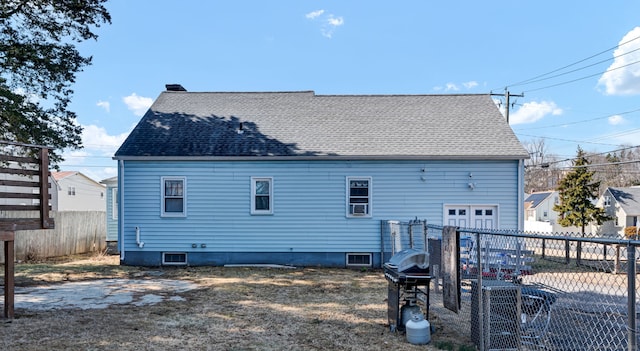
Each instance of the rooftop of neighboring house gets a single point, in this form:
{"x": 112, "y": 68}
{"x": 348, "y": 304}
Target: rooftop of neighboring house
{"x": 303, "y": 124}
{"x": 628, "y": 198}
{"x": 110, "y": 181}
{"x": 64, "y": 174}
{"x": 57, "y": 176}
{"x": 535, "y": 199}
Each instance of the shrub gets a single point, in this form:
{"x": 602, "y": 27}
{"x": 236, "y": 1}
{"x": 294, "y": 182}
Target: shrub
{"x": 630, "y": 232}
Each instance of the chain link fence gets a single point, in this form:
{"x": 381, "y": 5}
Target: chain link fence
{"x": 512, "y": 290}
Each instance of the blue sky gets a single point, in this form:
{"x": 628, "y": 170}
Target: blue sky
{"x": 561, "y": 49}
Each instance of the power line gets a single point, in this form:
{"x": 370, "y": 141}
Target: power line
{"x": 582, "y": 121}
{"x": 567, "y": 140}
{"x": 574, "y": 70}
{"x": 582, "y": 78}
{"x": 546, "y": 164}
{"x": 573, "y": 64}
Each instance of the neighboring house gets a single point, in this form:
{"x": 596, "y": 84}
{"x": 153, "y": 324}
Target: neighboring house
{"x": 539, "y": 214}
{"x": 77, "y": 192}
{"x": 111, "y": 185}
{"x": 4, "y": 178}
{"x": 624, "y": 205}
{"x": 541, "y": 218}
{"x": 303, "y": 179}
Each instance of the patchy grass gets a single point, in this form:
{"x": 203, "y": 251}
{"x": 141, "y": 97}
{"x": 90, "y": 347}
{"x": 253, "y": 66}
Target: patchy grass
{"x": 234, "y": 309}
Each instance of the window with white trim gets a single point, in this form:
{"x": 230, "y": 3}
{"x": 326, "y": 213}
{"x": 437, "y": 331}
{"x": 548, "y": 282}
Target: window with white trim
{"x": 607, "y": 201}
{"x": 174, "y": 198}
{"x": 261, "y": 195}
{"x": 114, "y": 203}
{"x": 358, "y": 196}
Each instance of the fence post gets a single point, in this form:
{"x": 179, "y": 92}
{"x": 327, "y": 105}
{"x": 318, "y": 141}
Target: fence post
{"x": 544, "y": 246}
{"x": 480, "y": 293}
{"x": 631, "y": 297}
{"x": 567, "y": 247}
{"x": 578, "y": 253}
{"x": 616, "y": 261}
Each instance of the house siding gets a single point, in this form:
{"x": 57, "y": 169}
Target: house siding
{"x": 309, "y": 225}
{"x": 88, "y": 195}
{"x": 112, "y": 223}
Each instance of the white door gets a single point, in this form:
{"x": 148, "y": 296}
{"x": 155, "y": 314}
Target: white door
{"x": 484, "y": 217}
{"x": 471, "y": 216}
{"x": 457, "y": 216}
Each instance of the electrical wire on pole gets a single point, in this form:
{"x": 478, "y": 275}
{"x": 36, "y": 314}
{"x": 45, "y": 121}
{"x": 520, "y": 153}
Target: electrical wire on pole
{"x": 507, "y": 95}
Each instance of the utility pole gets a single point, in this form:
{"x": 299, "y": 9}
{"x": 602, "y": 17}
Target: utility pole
{"x": 507, "y": 95}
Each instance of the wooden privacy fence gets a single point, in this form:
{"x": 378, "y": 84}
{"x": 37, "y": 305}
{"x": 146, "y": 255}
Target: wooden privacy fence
{"x": 24, "y": 194}
{"x": 76, "y": 232}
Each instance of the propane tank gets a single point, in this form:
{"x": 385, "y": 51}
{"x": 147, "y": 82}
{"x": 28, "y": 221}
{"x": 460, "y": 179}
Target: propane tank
{"x": 408, "y": 309}
{"x": 418, "y": 330}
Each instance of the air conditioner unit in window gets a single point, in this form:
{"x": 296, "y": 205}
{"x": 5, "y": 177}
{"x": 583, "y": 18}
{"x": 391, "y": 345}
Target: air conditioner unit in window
{"x": 359, "y": 209}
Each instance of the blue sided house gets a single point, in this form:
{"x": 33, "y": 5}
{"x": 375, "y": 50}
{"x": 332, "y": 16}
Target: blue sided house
{"x": 295, "y": 178}
{"x": 111, "y": 185}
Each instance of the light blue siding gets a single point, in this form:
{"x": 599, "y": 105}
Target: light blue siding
{"x": 112, "y": 223}
{"x": 309, "y": 205}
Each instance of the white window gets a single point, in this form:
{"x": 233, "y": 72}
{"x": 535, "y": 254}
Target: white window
{"x": 174, "y": 197}
{"x": 358, "y": 196}
{"x": 114, "y": 203}
{"x": 71, "y": 190}
{"x": 607, "y": 201}
{"x": 261, "y": 195}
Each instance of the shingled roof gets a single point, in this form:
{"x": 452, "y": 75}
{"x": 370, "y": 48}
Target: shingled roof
{"x": 183, "y": 124}
{"x": 628, "y": 199}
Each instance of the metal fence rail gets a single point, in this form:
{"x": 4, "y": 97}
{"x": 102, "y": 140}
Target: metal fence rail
{"x": 521, "y": 291}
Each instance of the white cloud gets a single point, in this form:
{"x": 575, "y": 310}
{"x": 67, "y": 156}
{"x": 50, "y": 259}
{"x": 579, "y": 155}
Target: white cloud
{"x": 451, "y": 87}
{"x": 335, "y": 21}
{"x": 94, "y": 159}
{"x": 616, "y": 119}
{"x": 533, "y": 111}
{"x": 456, "y": 87}
{"x": 330, "y": 25}
{"x": 95, "y": 138}
{"x": 329, "y": 22}
{"x": 138, "y": 104}
{"x": 104, "y": 104}
{"x": 470, "y": 85}
{"x": 314, "y": 14}
{"x": 623, "y": 77}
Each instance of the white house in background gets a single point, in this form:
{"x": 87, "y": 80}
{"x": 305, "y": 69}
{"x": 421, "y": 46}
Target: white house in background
{"x": 539, "y": 214}
{"x": 77, "y": 192}
{"x": 624, "y": 205}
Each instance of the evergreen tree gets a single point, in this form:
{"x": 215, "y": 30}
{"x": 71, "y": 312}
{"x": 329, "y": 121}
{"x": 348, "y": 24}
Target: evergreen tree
{"x": 577, "y": 191}
{"x": 38, "y": 65}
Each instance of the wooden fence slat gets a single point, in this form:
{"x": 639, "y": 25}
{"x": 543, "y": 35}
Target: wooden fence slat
{"x": 76, "y": 232}
{"x": 18, "y": 171}
{"x": 19, "y": 159}
{"x": 21, "y": 183}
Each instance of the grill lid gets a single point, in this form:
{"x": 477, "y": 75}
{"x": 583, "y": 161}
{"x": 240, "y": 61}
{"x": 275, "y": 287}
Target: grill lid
{"x": 408, "y": 258}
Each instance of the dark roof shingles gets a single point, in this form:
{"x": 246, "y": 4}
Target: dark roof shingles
{"x": 305, "y": 124}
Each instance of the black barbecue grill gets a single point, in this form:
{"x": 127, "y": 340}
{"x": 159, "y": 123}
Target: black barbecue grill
{"x": 409, "y": 277}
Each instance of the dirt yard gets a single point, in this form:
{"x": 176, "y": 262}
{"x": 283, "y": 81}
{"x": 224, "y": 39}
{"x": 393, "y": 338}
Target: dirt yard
{"x": 230, "y": 309}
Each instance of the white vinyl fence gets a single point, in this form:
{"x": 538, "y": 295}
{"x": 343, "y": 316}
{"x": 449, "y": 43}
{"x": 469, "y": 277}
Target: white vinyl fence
{"x": 76, "y": 232}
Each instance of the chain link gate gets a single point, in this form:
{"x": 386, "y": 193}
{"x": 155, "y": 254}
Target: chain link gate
{"x": 521, "y": 291}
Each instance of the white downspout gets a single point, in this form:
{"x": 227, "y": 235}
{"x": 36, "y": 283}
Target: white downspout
{"x": 138, "y": 241}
